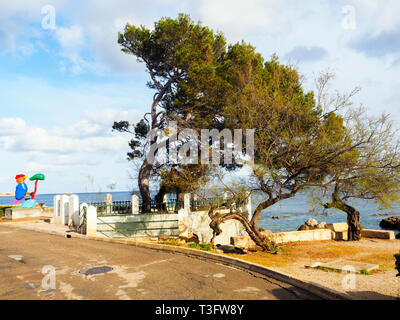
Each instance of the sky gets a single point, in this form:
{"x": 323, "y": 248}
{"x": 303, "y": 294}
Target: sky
{"x": 64, "y": 79}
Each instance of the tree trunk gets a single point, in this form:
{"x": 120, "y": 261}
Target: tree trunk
{"x": 252, "y": 229}
{"x": 159, "y": 198}
{"x": 143, "y": 181}
{"x": 353, "y": 218}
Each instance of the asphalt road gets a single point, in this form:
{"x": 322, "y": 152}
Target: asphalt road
{"x": 36, "y": 265}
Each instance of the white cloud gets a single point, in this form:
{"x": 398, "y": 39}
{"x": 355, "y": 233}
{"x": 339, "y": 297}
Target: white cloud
{"x": 108, "y": 116}
{"x": 239, "y": 18}
{"x": 85, "y": 136}
{"x": 378, "y": 15}
{"x": 12, "y": 126}
{"x": 71, "y": 37}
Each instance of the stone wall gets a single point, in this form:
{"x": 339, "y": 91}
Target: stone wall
{"x": 199, "y": 224}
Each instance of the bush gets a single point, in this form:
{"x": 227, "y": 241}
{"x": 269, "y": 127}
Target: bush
{"x": 3, "y": 210}
{"x": 365, "y": 272}
{"x": 397, "y": 257}
{"x": 201, "y": 246}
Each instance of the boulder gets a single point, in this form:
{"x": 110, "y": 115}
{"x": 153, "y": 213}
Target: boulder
{"x": 304, "y": 227}
{"x": 322, "y": 225}
{"x": 245, "y": 243}
{"x": 392, "y": 223}
{"x": 312, "y": 223}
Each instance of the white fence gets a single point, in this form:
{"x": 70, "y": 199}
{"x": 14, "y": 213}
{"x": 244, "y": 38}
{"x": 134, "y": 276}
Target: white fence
{"x": 68, "y": 211}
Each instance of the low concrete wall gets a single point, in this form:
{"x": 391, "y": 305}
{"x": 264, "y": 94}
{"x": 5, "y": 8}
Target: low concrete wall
{"x": 300, "y": 236}
{"x": 378, "y": 234}
{"x": 245, "y": 242}
{"x": 22, "y": 213}
{"x": 146, "y": 225}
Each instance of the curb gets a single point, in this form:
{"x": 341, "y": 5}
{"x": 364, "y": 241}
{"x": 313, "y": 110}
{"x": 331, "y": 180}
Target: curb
{"x": 312, "y": 287}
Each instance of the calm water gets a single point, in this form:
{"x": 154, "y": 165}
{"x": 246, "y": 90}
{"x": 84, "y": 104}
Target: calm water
{"x": 297, "y": 208}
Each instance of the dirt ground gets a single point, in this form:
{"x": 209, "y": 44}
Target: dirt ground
{"x": 378, "y": 285}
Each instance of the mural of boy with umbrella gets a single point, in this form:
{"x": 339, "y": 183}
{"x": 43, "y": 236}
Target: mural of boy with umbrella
{"x": 21, "y": 192}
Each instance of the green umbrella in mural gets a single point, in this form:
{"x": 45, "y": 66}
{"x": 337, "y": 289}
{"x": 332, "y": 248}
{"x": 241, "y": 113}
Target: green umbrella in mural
{"x": 36, "y": 178}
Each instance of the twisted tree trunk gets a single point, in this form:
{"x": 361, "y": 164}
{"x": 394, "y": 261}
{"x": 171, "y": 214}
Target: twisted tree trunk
{"x": 252, "y": 229}
{"x": 353, "y": 218}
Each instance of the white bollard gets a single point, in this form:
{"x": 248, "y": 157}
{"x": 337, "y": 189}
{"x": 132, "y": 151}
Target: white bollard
{"x": 64, "y": 209}
{"x": 183, "y": 223}
{"x": 135, "y": 204}
{"x": 57, "y": 209}
{"x": 186, "y": 202}
{"x": 74, "y": 210}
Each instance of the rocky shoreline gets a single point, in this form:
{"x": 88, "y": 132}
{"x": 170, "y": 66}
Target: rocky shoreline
{"x": 392, "y": 223}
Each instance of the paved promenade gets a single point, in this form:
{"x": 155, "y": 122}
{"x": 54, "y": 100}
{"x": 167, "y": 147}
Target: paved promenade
{"x": 137, "y": 273}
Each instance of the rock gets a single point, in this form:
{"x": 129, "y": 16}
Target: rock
{"x": 322, "y": 225}
{"x": 381, "y": 215}
{"x": 245, "y": 243}
{"x": 192, "y": 238}
{"x": 392, "y": 223}
{"x": 304, "y": 227}
{"x": 279, "y": 218}
{"x": 312, "y": 223}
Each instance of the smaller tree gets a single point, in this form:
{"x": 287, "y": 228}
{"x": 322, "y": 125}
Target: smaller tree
{"x": 370, "y": 172}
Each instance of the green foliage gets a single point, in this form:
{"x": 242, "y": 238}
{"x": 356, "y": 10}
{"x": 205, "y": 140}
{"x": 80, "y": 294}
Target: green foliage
{"x": 364, "y": 272}
{"x": 200, "y": 246}
{"x": 397, "y": 257}
{"x": 2, "y": 210}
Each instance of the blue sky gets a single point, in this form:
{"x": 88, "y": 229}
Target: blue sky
{"x": 62, "y": 88}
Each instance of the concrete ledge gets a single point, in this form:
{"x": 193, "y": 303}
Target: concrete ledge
{"x": 378, "y": 234}
{"x": 314, "y": 288}
{"x": 22, "y": 213}
{"x": 302, "y": 236}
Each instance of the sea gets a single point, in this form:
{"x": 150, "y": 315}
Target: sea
{"x": 298, "y": 210}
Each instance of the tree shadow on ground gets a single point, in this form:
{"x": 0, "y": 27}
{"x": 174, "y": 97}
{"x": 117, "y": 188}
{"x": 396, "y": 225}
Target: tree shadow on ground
{"x": 371, "y": 295}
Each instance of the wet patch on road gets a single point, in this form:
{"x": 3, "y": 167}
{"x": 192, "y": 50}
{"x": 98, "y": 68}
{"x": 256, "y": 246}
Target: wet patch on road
{"x": 96, "y": 270}
{"x": 30, "y": 286}
{"x": 5, "y": 267}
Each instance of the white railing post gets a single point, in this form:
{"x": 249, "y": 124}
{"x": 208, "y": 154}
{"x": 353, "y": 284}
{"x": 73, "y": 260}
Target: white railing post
{"x": 91, "y": 221}
{"x": 186, "y": 202}
{"x": 135, "y": 204}
{"x": 108, "y": 199}
{"x": 74, "y": 210}
{"x": 64, "y": 209}
{"x": 183, "y": 217}
{"x": 56, "y": 210}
